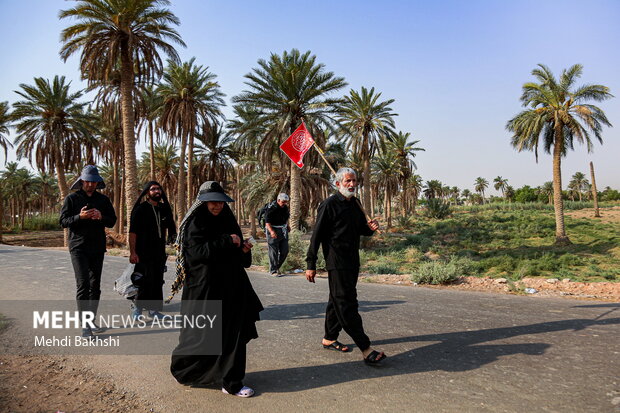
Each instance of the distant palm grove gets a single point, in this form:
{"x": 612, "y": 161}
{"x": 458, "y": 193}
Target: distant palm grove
{"x": 142, "y": 91}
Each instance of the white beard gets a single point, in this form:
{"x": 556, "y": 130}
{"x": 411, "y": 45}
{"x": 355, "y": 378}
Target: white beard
{"x": 345, "y": 192}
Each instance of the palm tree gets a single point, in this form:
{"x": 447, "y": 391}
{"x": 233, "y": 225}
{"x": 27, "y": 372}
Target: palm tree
{"x": 125, "y": 33}
{"x": 166, "y": 162}
{"x": 283, "y": 92}
{"x": 5, "y": 122}
{"x": 500, "y": 184}
{"x": 466, "y": 194}
{"x": 190, "y": 98}
{"x": 579, "y": 184}
{"x": 366, "y": 123}
{"x": 547, "y": 190}
{"x": 432, "y": 189}
{"x": 558, "y": 114}
{"x": 480, "y": 185}
{"x": 385, "y": 168}
{"x": 52, "y": 126}
{"x": 415, "y": 184}
{"x": 510, "y": 193}
{"x": 215, "y": 153}
{"x": 405, "y": 151}
{"x": 594, "y": 191}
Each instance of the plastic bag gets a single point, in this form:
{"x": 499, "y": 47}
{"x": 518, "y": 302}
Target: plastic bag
{"x": 123, "y": 284}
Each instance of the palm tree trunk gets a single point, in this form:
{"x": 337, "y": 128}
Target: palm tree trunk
{"x": 129, "y": 139}
{"x": 116, "y": 183}
{"x": 1, "y": 214}
{"x": 151, "y": 151}
{"x": 190, "y": 166}
{"x": 366, "y": 195}
{"x": 121, "y": 213}
{"x": 594, "y": 193}
{"x": 295, "y": 197}
{"x": 253, "y": 225}
{"x": 560, "y": 232}
{"x": 372, "y": 200}
{"x": 181, "y": 181}
{"x": 64, "y": 191}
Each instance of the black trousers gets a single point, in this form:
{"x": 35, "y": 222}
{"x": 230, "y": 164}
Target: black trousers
{"x": 278, "y": 250}
{"x": 342, "y": 308}
{"x": 87, "y": 267}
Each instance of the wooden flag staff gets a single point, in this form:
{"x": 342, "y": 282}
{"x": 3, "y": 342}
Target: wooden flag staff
{"x": 320, "y": 151}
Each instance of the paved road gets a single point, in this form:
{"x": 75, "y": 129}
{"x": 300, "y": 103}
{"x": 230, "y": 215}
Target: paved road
{"x": 449, "y": 351}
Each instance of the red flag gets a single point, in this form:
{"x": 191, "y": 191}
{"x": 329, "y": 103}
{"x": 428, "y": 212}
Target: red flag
{"x": 296, "y": 146}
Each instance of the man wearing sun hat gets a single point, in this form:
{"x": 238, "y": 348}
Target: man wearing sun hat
{"x": 86, "y": 213}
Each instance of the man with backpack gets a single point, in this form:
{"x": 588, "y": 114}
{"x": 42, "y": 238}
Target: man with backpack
{"x": 276, "y": 230}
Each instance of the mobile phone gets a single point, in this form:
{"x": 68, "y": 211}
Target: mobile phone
{"x": 89, "y": 206}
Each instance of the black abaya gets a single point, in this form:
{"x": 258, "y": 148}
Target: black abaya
{"x": 215, "y": 271}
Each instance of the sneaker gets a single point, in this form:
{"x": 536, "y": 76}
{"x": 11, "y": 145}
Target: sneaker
{"x": 135, "y": 312}
{"x": 275, "y": 274}
{"x": 87, "y": 333}
{"x": 98, "y": 329}
{"x": 244, "y": 392}
{"x": 157, "y": 315}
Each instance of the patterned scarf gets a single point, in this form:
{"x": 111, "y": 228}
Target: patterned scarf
{"x": 177, "y": 285}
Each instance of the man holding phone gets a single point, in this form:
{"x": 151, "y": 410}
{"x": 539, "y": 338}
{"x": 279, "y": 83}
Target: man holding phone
{"x": 86, "y": 213}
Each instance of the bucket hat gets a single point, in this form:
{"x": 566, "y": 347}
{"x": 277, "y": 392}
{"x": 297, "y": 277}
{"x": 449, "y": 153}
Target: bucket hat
{"x": 89, "y": 174}
{"x": 213, "y": 191}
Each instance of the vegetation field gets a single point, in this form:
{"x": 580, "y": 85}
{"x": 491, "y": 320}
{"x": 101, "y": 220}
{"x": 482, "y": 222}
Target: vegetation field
{"x": 498, "y": 243}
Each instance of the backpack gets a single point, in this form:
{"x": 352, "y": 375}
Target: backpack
{"x": 262, "y": 212}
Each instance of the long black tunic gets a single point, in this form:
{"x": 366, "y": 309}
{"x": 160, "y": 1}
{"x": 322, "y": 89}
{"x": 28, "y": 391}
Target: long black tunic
{"x": 339, "y": 225}
{"x": 215, "y": 271}
{"x": 150, "y": 224}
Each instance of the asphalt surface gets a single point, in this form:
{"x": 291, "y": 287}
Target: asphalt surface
{"x": 448, "y": 351}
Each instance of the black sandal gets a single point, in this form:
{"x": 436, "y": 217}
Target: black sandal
{"x": 374, "y": 358}
{"x": 337, "y": 346}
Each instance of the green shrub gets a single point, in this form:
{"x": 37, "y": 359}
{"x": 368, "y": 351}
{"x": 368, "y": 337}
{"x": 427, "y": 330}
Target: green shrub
{"x": 41, "y": 223}
{"x": 437, "y": 208}
{"x": 441, "y": 272}
{"x": 296, "y": 258}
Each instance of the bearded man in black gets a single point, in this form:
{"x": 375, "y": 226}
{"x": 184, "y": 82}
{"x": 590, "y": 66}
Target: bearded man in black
{"x": 150, "y": 225}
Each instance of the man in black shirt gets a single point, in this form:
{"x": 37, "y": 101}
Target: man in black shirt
{"x": 277, "y": 229}
{"x": 86, "y": 213}
{"x": 150, "y": 220}
{"x": 339, "y": 224}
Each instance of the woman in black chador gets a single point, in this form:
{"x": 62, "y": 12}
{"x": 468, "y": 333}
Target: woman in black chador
{"x": 210, "y": 266}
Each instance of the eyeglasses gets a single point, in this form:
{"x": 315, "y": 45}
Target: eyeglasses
{"x": 155, "y": 190}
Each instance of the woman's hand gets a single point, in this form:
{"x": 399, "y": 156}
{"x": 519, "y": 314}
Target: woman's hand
{"x": 235, "y": 239}
{"x": 247, "y": 246}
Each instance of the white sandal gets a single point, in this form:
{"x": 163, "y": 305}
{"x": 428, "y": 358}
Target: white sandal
{"x": 244, "y": 392}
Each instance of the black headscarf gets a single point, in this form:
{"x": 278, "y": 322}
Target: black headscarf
{"x": 164, "y": 205}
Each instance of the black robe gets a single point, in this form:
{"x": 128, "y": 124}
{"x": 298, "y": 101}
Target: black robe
{"x": 215, "y": 271}
{"x": 151, "y": 249}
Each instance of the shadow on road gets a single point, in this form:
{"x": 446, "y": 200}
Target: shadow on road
{"x": 454, "y": 352}
{"x": 316, "y": 310}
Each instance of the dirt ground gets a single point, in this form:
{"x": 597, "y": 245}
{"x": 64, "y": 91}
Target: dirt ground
{"x": 32, "y": 384}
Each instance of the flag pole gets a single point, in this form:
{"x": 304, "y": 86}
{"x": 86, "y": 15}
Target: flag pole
{"x": 320, "y": 151}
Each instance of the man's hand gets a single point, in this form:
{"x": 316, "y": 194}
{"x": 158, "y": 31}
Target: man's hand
{"x": 310, "y": 274}
{"x": 373, "y": 224}
{"x": 273, "y": 234}
{"x": 235, "y": 239}
{"x": 92, "y": 213}
{"x": 133, "y": 258}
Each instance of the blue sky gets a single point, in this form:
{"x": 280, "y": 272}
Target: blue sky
{"x": 454, "y": 68}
